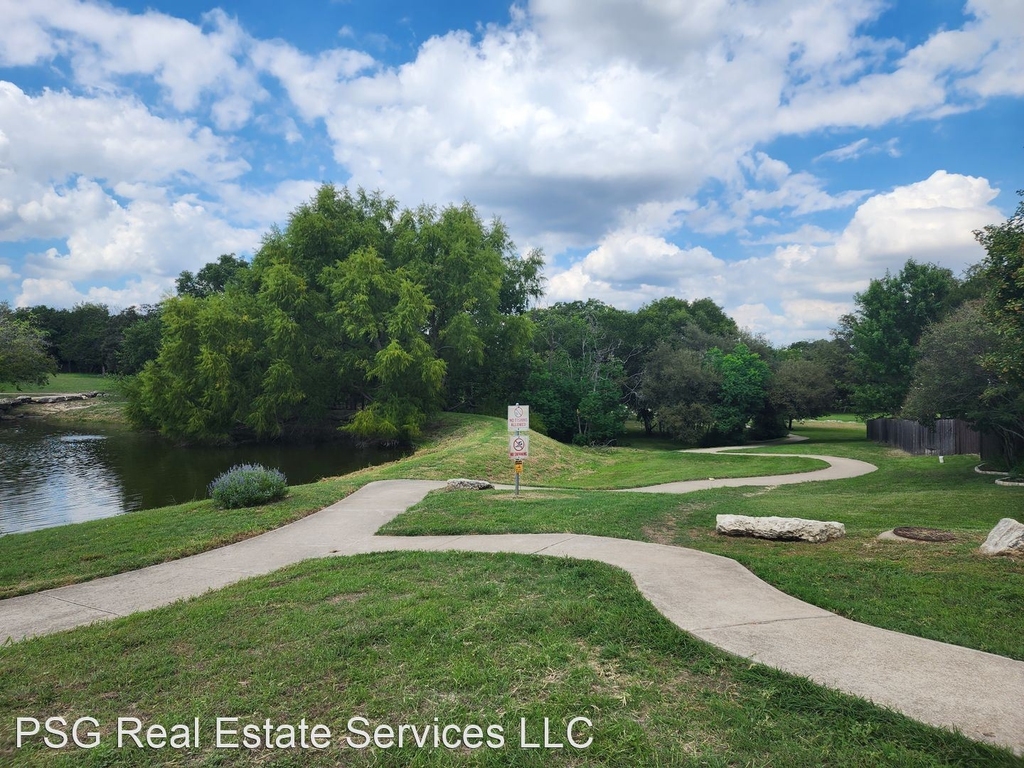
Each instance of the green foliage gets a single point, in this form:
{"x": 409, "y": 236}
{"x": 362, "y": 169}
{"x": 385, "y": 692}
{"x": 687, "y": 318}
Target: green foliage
{"x": 801, "y": 389}
{"x": 743, "y": 391}
{"x": 212, "y": 278}
{"x": 139, "y": 342}
{"x": 247, "y": 485}
{"x": 682, "y": 390}
{"x": 358, "y": 308}
{"x": 24, "y": 358}
{"x": 577, "y": 379}
{"x": 949, "y": 378}
{"x": 884, "y": 331}
{"x": 1003, "y": 271}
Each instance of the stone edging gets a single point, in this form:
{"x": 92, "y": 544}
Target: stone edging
{"x": 981, "y": 471}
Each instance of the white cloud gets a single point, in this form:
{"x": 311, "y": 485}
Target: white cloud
{"x": 62, "y": 293}
{"x": 145, "y": 238}
{"x": 803, "y": 287}
{"x": 931, "y": 220}
{"x": 55, "y": 135}
{"x": 104, "y": 44}
{"x": 580, "y": 122}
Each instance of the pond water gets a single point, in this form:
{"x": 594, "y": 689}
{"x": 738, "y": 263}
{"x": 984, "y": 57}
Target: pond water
{"x": 53, "y": 475}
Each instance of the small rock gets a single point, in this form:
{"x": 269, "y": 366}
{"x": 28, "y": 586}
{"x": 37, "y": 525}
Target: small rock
{"x": 779, "y": 528}
{"x": 1007, "y": 538}
{"x": 462, "y": 484}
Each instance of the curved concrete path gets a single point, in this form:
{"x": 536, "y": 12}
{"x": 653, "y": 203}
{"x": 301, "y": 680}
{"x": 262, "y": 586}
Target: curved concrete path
{"x": 711, "y": 597}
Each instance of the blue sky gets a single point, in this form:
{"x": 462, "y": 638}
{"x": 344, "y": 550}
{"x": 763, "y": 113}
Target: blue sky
{"x": 773, "y": 155}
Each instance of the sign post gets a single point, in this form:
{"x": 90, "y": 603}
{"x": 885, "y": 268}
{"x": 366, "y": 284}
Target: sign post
{"x": 518, "y": 444}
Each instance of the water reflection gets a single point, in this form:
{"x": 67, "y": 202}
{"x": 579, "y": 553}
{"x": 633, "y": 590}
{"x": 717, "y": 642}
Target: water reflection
{"x": 54, "y": 475}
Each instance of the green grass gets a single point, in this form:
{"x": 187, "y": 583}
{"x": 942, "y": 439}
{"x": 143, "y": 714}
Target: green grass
{"x": 847, "y": 418}
{"x": 483, "y": 639}
{"x": 946, "y": 592}
{"x": 108, "y": 409}
{"x": 67, "y": 383}
{"x": 68, "y": 554}
{"x": 477, "y": 447}
{"x": 463, "y": 446}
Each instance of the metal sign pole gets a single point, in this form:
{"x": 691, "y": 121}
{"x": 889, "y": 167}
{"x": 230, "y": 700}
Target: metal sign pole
{"x": 519, "y": 446}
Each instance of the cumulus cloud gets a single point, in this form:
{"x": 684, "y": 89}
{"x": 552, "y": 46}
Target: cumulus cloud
{"x": 804, "y": 287}
{"x": 63, "y": 293}
{"x": 582, "y": 123}
{"x": 104, "y": 44}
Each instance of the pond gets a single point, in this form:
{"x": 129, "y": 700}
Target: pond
{"x": 52, "y": 475}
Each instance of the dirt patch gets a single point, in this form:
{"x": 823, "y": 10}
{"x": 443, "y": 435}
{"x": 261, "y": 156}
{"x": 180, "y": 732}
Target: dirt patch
{"x": 350, "y": 597}
{"x": 663, "y": 532}
{"x": 762, "y": 492}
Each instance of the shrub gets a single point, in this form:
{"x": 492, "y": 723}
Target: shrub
{"x": 247, "y": 485}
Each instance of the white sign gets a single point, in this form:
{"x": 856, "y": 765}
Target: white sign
{"x": 519, "y": 446}
{"x": 518, "y": 417}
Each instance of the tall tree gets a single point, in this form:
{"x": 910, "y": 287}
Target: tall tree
{"x": 355, "y": 306}
{"x": 744, "y": 389}
{"x": 212, "y": 278}
{"x": 577, "y": 377}
{"x": 801, "y": 389}
{"x": 884, "y": 331}
{"x": 24, "y": 358}
{"x": 1003, "y": 271}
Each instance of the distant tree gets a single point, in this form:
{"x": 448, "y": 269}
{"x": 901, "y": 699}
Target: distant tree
{"x": 82, "y": 343}
{"x": 140, "y": 341}
{"x": 950, "y": 379}
{"x": 577, "y": 378}
{"x": 835, "y": 356}
{"x": 682, "y": 390}
{"x": 801, "y": 389}
{"x": 744, "y": 389}
{"x": 24, "y": 358}
{"x": 883, "y": 333}
{"x": 212, "y": 278}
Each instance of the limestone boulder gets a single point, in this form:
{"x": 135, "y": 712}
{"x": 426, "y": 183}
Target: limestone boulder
{"x": 1007, "y": 538}
{"x": 779, "y": 528}
{"x": 462, "y": 484}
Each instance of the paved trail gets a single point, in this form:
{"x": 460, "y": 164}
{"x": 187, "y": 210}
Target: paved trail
{"x": 711, "y": 597}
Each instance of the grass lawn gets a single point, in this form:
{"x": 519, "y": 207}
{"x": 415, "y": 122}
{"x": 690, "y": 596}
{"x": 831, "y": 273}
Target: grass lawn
{"x": 465, "y": 446}
{"x": 67, "y": 383}
{"x": 477, "y": 447}
{"x": 108, "y": 409}
{"x": 404, "y": 638}
{"x": 943, "y": 591}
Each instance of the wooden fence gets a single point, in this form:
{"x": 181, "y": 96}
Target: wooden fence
{"x": 947, "y": 438}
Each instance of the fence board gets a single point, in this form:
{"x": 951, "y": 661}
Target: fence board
{"x": 948, "y": 437}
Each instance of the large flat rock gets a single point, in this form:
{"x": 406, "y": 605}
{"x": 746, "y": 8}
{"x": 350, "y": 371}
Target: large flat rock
{"x": 779, "y": 528}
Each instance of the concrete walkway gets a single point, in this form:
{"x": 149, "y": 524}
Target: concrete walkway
{"x": 711, "y": 597}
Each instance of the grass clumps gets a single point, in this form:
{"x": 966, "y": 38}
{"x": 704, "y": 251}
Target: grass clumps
{"x": 248, "y": 485}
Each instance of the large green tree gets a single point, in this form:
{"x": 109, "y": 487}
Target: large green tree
{"x": 801, "y": 389}
{"x": 1003, "y": 273}
{"x": 356, "y": 306}
{"x": 577, "y": 378}
{"x": 24, "y": 357}
{"x": 744, "y": 389}
{"x": 883, "y": 332}
{"x": 681, "y": 389}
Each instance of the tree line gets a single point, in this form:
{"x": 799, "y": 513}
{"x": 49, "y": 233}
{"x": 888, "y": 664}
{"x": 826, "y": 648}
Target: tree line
{"x": 382, "y": 317}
